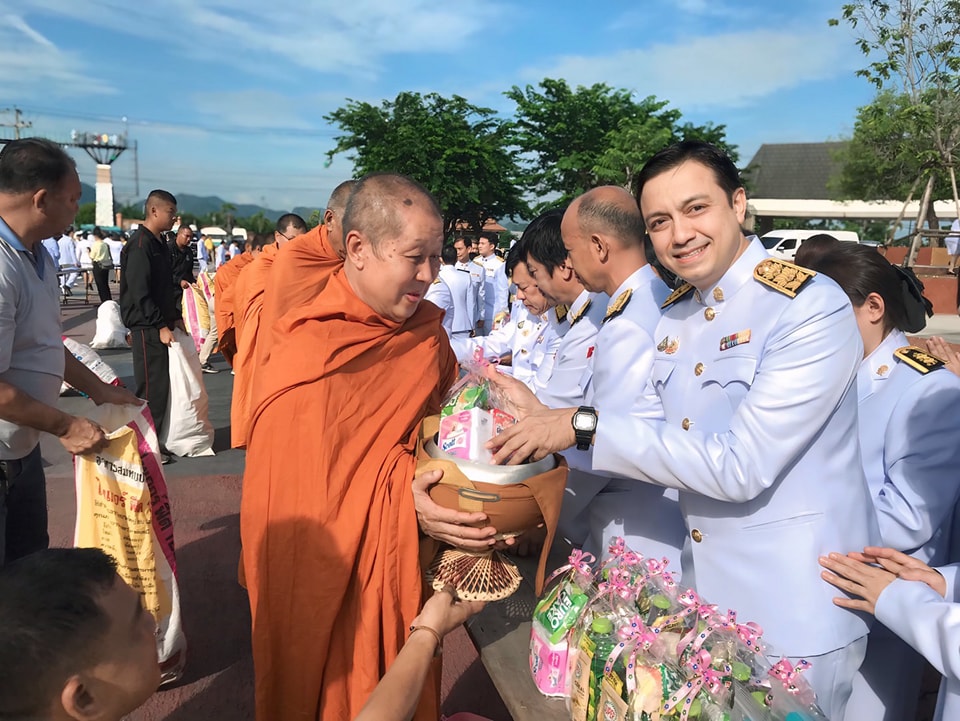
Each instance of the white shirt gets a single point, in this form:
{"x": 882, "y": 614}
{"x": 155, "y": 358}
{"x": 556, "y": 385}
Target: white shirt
{"x": 494, "y": 289}
{"x": 751, "y": 412}
{"x": 68, "y": 252}
{"x": 453, "y": 292}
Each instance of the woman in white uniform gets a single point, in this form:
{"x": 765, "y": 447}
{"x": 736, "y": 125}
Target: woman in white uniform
{"x": 909, "y": 428}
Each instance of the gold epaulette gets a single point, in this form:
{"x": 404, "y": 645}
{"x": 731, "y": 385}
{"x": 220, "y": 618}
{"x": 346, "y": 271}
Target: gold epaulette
{"x": 919, "y": 359}
{"x": 561, "y": 311}
{"x": 437, "y": 281}
{"x": 676, "y": 295}
{"x": 780, "y": 275}
{"x": 616, "y": 308}
{"x": 574, "y": 317}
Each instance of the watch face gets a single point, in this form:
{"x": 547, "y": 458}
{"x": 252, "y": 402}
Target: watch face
{"x": 583, "y": 421}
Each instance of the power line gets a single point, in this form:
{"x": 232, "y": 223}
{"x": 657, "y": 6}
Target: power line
{"x": 218, "y": 129}
{"x": 17, "y": 123}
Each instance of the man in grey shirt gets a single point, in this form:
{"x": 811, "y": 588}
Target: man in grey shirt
{"x": 39, "y": 192}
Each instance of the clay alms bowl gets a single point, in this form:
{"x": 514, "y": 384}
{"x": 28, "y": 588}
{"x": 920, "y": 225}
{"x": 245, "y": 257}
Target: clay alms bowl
{"x": 510, "y": 496}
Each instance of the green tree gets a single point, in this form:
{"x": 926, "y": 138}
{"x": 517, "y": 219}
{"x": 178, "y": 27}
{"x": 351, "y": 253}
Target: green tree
{"x": 580, "y": 138}
{"x": 463, "y": 154}
{"x": 131, "y": 210}
{"x": 86, "y": 214}
{"x": 257, "y": 223}
{"x": 912, "y": 51}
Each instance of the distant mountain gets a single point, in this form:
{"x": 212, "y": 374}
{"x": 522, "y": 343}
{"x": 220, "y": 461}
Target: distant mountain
{"x": 88, "y": 194}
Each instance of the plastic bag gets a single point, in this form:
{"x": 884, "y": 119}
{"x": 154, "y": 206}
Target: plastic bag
{"x": 123, "y": 509}
{"x": 187, "y": 431}
{"x": 92, "y": 360}
{"x": 110, "y": 332}
{"x": 472, "y": 414}
{"x": 196, "y": 316}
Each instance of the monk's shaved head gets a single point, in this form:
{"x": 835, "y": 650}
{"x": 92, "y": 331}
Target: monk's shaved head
{"x": 377, "y": 202}
{"x": 338, "y": 198}
{"x": 612, "y": 211}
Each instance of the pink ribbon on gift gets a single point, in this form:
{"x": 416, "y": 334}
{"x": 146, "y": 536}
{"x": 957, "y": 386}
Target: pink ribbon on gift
{"x": 637, "y": 637}
{"x": 617, "y": 547}
{"x": 617, "y": 584}
{"x": 705, "y": 677}
{"x": 787, "y": 672}
{"x": 579, "y": 561}
{"x": 749, "y": 632}
{"x": 691, "y": 603}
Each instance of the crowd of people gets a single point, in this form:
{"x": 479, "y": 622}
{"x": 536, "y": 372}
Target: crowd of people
{"x": 765, "y": 427}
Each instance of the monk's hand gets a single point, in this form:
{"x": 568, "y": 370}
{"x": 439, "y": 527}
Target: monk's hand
{"x": 941, "y": 349}
{"x": 862, "y": 580}
{"x": 455, "y": 528}
{"x": 166, "y": 336}
{"x": 444, "y": 611}
{"x": 534, "y": 438}
{"x": 906, "y": 567}
{"x": 517, "y": 398}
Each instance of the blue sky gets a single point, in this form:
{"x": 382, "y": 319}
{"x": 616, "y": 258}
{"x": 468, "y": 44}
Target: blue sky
{"x": 227, "y": 97}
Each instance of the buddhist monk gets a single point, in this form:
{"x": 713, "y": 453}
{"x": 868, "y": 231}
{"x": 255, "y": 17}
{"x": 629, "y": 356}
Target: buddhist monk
{"x": 330, "y": 509}
{"x": 248, "y": 302}
{"x": 223, "y": 291}
{"x": 302, "y": 268}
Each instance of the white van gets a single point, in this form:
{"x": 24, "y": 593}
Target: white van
{"x": 784, "y": 243}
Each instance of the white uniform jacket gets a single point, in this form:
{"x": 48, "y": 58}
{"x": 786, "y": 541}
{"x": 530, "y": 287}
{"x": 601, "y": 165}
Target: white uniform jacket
{"x": 910, "y": 447}
{"x": 453, "y": 293}
{"x": 476, "y": 279}
{"x": 751, "y": 412}
{"x": 931, "y": 625}
{"x": 494, "y": 297}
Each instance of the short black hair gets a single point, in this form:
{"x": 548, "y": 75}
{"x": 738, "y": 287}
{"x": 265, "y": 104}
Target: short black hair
{"x": 517, "y": 255}
{"x": 50, "y": 622}
{"x": 29, "y": 164}
{"x": 545, "y": 242}
{"x": 291, "y": 220}
{"x": 258, "y": 241}
{"x": 162, "y": 196}
{"x": 860, "y": 270}
{"x": 449, "y": 254}
{"x": 726, "y": 173}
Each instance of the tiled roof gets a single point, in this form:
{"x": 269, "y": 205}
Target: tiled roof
{"x": 793, "y": 170}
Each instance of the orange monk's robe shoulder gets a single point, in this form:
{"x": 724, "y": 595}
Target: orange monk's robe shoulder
{"x": 327, "y": 516}
{"x": 248, "y": 302}
{"x": 300, "y": 271}
{"x": 224, "y": 285}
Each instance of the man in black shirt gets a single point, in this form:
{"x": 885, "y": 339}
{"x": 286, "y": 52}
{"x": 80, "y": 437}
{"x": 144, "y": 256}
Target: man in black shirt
{"x": 181, "y": 262}
{"x": 147, "y": 304}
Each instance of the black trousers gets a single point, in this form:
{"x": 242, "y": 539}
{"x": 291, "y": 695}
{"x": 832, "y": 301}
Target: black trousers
{"x": 23, "y": 507}
{"x": 101, "y": 276}
{"x": 151, "y": 371}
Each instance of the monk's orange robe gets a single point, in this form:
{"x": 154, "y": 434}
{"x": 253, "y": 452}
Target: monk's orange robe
{"x": 248, "y": 302}
{"x": 224, "y": 281}
{"x": 327, "y": 520}
{"x": 300, "y": 271}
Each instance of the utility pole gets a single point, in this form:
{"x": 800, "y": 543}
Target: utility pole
{"x": 17, "y": 122}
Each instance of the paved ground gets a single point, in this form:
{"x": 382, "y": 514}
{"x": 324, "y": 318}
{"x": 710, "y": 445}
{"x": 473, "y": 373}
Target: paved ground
{"x": 205, "y": 495}
{"x": 205, "y": 499}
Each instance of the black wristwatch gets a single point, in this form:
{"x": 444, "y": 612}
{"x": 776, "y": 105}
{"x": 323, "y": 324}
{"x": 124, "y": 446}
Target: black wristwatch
{"x": 584, "y": 426}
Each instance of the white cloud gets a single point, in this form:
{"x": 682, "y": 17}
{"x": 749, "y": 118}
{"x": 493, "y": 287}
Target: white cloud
{"x": 718, "y": 71}
{"x": 33, "y": 67}
{"x": 346, "y": 38}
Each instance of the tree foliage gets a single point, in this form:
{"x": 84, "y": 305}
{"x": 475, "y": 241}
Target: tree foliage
{"x": 914, "y": 61}
{"x": 463, "y": 154}
{"x": 888, "y": 152}
{"x": 86, "y": 214}
{"x": 579, "y": 138}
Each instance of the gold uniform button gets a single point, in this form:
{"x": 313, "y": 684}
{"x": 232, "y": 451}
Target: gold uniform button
{"x": 709, "y": 314}
{"x": 685, "y": 424}
{"x": 718, "y": 295}
{"x": 696, "y": 535}
{"x": 698, "y": 369}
